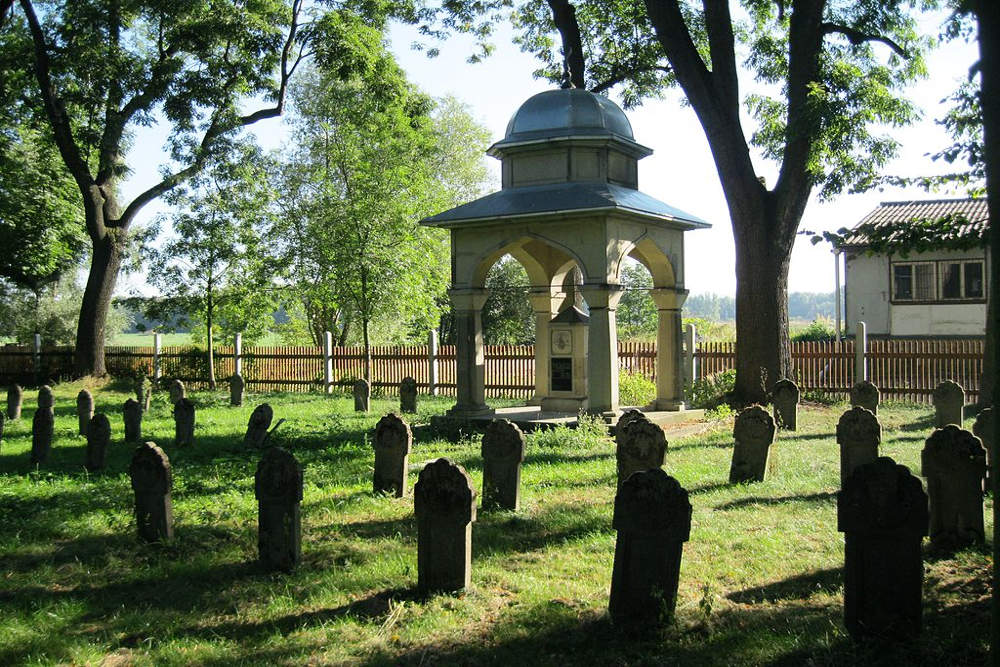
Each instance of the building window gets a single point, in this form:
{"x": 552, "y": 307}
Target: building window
{"x": 947, "y": 280}
{"x": 913, "y": 281}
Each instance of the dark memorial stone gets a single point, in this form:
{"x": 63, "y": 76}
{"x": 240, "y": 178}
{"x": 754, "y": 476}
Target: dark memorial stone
{"x": 42, "y": 427}
{"x": 949, "y": 404}
{"x": 954, "y": 462}
{"x": 503, "y": 452}
{"x": 653, "y": 520}
{"x": 98, "y": 439}
{"x": 260, "y": 422}
{"x": 640, "y": 445}
{"x": 785, "y": 398}
{"x": 15, "y": 397}
{"x": 132, "y": 416}
{"x": 143, "y": 391}
{"x": 183, "y": 422}
{"x": 562, "y": 374}
{"x": 983, "y": 428}
{"x": 859, "y": 435}
{"x": 627, "y": 416}
{"x": 393, "y": 441}
{"x": 236, "y": 388}
{"x": 84, "y": 410}
{"x": 408, "y": 395}
{"x": 278, "y": 487}
{"x": 362, "y": 395}
{"x": 3, "y": 424}
{"x": 864, "y": 394}
{"x": 753, "y": 432}
{"x": 882, "y": 511}
{"x": 176, "y": 390}
{"x": 151, "y": 482}
{"x": 445, "y": 504}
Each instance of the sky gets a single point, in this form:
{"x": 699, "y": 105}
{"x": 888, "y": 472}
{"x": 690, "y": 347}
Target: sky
{"x": 680, "y": 172}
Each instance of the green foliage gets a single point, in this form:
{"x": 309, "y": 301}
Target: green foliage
{"x": 817, "y": 330}
{"x": 635, "y": 389}
{"x": 636, "y": 315}
{"x": 52, "y": 311}
{"x": 711, "y": 391}
{"x": 508, "y": 318}
{"x": 711, "y": 331}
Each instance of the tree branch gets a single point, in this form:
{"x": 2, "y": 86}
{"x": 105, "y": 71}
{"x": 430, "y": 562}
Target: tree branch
{"x": 621, "y": 74}
{"x": 856, "y": 37}
{"x": 6, "y": 11}
{"x": 564, "y": 16}
{"x": 721, "y": 44}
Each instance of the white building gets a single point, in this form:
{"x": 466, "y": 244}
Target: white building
{"x": 940, "y": 291}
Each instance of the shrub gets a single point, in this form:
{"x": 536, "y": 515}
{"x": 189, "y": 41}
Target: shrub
{"x": 711, "y": 391}
{"x": 635, "y": 389}
{"x": 817, "y": 330}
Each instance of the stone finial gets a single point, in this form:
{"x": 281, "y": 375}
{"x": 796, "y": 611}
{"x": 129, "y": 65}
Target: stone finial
{"x": 954, "y": 463}
{"x": 84, "y": 410}
{"x": 176, "y": 390}
{"x": 785, "y": 398}
{"x": 859, "y": 435}
{"x": 132, "y": 416}
{"x": 15, "y": 398}
{"x": 152, "y": 483}
{"x": 983, "y": 428}
{"x": 882, "y": 511}
{"x": 949, "y": 404}
{"x": 98, "y": 439}
{"x": 503, "y": 452}
{"x": 753, "y": 432}
{"x": 45, "y": 398}
{"x": 278, "y": 488}
{"x": 445, "y": 504}
{"x": 864, "y": 394}
{"x": 257, "y": 427}
{"x": 653, "y": 519}
{"x": 393, "y": 441}
{"x": 237, "y": 387}
{"x": 408, "y": 395}
{"x": 184, "y": 420}
{"x": 641, "y": 445}
{"x": 143, "y": 391}
{"x": 362, "y": 395}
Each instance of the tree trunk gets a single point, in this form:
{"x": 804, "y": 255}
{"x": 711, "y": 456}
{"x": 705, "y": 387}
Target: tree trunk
{"x": 209, "y": 320}
{"x": 106, "y": 259}
{"x": 368, "y": 350}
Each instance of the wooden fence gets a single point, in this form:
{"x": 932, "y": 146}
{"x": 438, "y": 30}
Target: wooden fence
{"x": 903, "y": 369}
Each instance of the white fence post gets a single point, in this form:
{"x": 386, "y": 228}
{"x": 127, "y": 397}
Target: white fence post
{"x": 860, "y": 347}
{"x": 690, "y": 341}
{"x": 37, "y": 357}
{"x": 327, "y": 362}
{"x": 432, "y": 364}
{"x": 238, "y": 354}
{"x": 157, "y": 361}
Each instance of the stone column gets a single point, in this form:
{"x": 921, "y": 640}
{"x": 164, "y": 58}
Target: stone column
{"x": 432, "y": 362}
{"x": 470, "y": 363}
{"x": 602, "y": 349}
{"x": 238, "y": 354}
{"x": 690, "y": 362}
{"x": 157, "y": 361}
{"x": 544, "y": 305}
{"x": 327, "y": 362}
{"x": 669, "y": 355}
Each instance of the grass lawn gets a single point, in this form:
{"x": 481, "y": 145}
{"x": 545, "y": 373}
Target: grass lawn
{"x": 760, "y": 581}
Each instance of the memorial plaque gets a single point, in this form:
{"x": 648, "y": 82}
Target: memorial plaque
{"x": 562, "y": 374}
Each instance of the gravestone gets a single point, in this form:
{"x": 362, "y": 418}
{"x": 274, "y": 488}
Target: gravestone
{"x": 236, "y": 388}
{"x": 983, "y": 428}
{"x": 3, "y": 424}
{"x": 42, "y": 427}
{"x": 859, "y": 435}
{"x": 626, "y": 418}
{"x": 865, "y": 394}
{"x": 176, "y": 390}
{"x": 183, "y": 422}
{"x": 503, "y": 452}
{"x": 408, "y": 395}
{"x": 15, "y": 397}
{"x": 949, "y": 404}
{"x": 445, "y": 504}
{"x": 785, "y": 398}
{"x": 84, "y": 410}
{"x": 753, "y": 433}
{"x": 98, "y": 439}
{"x": 151, "y": 482}
{"x": 260, "y": 422}
{"x": 640, "y": 445}
{"x": 143, "y": 391}
{"x": 653, "y": 519}
{"x": 882, "y": 511}
{"x": 278, "y": 487}
{"x": 954, "y": 462}
{"x": 132, "y": 416}
{"x": 362, "y": 395}
{"x": 393, "y": 441}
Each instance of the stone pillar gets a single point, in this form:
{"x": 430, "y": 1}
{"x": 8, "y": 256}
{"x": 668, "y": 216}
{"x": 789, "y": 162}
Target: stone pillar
{"x": 860, "y": 347}
{"x": 544, "y": 305}
{"x": 669, "y": 354}
{"x": 445, "y": 504}
{"x": 157, "y": 361}
{"x": 152, "y": 481}
{"x": 690, "y": 347}
{"x": 238, "y": 355}
{"x": 470, "y": 362}
{"x": 432, "y": 362}
{"x": 602, "y": 349}
{"x": 327, "y": 362}
{"x": 278, "y": 487}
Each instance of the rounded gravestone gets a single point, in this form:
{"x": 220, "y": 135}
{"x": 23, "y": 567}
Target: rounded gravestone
{"x": 393, "y": 441}
{"x": 152, "y": 481}
{"x": 84, "y": 410}
{"x": 445, "y": 504}
{"x": 866, "y": 395}
{"x": 176, "y": 390}
{"x": 641, "y": 445}
{"x": 260, "y": 422}
{"x": 362, "y": 395}
{"x": 983, "y": 428}
{"x": 132, "y": 416}
{"x": 949, "y": 404}
{"x": 408, "y": 395}
{"x": 753, "y": 432}
{"x": 15, "y": 398}
{"x": 236, "y": 389}
{"x": 278, "y": 488}
{"x": 503, "y": 452}
{"x": 859, "y": 435}
{"x": 45, "y": 398}
{"x": 184, "y": 420}
{"x": 98, "y": 439}
{"x": 954, "y": 463}
{"x": 785, "y": 398}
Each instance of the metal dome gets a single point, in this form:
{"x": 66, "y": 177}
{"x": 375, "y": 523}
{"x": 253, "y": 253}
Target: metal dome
{"x": 566, "y": 113}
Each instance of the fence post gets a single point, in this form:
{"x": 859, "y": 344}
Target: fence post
{"x": 157, "y": 362}
{"x": 432, "y": 364}
{"x": 327, "y": 362}
{"x": 238, "y": 354}
{"x": 690, "y": 340}
{"x": 37, "y": 358}
{"x": 860, "y": 347}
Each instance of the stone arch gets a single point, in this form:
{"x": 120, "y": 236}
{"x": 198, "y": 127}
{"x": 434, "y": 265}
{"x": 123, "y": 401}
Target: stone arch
{"x": 543, "y": 259}
{"x": 646, "y": 252}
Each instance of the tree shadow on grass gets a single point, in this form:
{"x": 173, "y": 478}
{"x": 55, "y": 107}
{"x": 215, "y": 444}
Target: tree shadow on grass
{"x": 556, "y": 458}
{"x": 800, "y": 587}
{"x": 756, "y": 500}
{"x": 498, "y": 533}
{"x": 709, "y": 488}
{"x": 727, "y": 444}
{"x": 925, "y": 423}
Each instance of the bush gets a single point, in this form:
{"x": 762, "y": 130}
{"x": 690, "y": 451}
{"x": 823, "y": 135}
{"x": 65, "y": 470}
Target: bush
{"x": 712, "y": 391}
{"x": 591, "y": 431}
{"x": 817, "y": 330}
{"x": 635, "y": 389}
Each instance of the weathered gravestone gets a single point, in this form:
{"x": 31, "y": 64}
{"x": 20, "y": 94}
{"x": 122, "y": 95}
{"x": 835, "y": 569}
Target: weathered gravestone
{"x": 503, "y": 452}
{"x": 882, "y": 511}
{"x": 949, "y": 404}
{"x": 143, "y": 391}
{"x": 3, "y": 424}
{"x": 260, "y": 422}
{"x": 408, "y": 395}
{"x": 393, "y": 440}
{"x": 627, "y": 417}
{"x": 640, "y": 445}
{"x": 653, "y": 520}
{"x": 954, "y": 462}
{"x": 753, "y": 433}
{"x": 15, "y": 397}
{"x": 98, "y": 439}
{"x": 859, "y": 435}
{"x": 42, "y": 426}
{"x": 84, "y": 410}
{"x": 865, "y": 395}
{"x": 362, "y": 395}
{"x": 151, "y": 482}
{"x": 176, "y": 390}
{"x": 445, "y": 504}
{"x": 132, "y": 416}
{"x": 278, "y": 487}
{"x": 983, "y": 428}
{"x": 785, "y": 398}
{"x": 183, "y": 422}
{"x": 236, "y": 388}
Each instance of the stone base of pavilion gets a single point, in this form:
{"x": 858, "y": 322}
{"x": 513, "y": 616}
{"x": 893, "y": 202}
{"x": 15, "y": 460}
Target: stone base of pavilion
{"x": 532, "y": 417}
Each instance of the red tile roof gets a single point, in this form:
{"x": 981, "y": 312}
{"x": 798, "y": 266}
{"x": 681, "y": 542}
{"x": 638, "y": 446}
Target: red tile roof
{"x": 970, "y": 217}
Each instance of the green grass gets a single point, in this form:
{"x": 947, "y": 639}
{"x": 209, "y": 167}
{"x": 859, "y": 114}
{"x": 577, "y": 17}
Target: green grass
{"x": 760, "y": 581}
